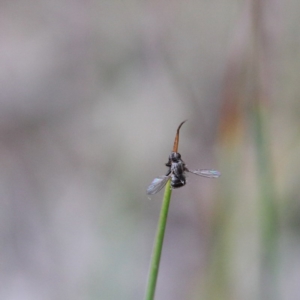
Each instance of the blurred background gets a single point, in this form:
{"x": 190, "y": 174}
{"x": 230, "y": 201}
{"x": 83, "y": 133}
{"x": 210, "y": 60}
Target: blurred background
{"x": 91, "y": 95}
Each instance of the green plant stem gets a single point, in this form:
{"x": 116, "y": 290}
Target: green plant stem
{"x": 269, "y": 210}
{"x": 159, "y": 239}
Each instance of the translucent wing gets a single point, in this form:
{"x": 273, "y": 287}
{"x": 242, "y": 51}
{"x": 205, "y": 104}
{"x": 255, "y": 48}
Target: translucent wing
{"x": 206, "y": 173}
{"x": 157, "y": 184}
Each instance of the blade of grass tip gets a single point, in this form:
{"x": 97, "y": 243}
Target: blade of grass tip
{"x": 158, "y": 243}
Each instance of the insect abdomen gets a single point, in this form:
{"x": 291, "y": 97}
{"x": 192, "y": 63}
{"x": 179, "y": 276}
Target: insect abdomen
{"x": 177, "y": 182}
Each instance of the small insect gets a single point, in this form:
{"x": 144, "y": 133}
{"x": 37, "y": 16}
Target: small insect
{"x": 177, "y": 169}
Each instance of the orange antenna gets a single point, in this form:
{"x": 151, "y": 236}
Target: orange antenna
{"x": 175, "y": 147}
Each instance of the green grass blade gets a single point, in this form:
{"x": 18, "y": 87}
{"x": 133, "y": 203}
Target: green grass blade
{"x": 269, "y": 213}
{"x": 158, "y": 243}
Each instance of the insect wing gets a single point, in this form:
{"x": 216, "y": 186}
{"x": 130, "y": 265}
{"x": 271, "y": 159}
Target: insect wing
{"x": 157, "y": 184}
{"x": 206, "y": 173}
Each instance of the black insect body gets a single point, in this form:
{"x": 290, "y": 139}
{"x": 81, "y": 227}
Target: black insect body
{"x": 176, "y": 169}
{"x": 176, "y": 172}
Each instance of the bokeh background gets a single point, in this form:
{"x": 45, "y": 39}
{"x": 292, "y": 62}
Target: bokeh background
{"x": 91, "y": 95}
